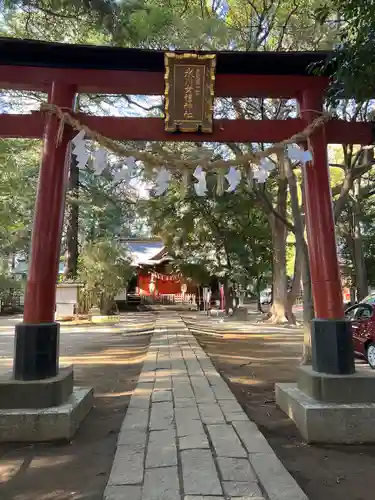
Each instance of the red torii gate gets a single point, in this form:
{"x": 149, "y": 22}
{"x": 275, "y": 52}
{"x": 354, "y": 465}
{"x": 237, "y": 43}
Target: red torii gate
{"x": 63, "y": 71}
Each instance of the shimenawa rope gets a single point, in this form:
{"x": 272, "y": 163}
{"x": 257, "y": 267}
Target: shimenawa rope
{"x": 157, "y": 160}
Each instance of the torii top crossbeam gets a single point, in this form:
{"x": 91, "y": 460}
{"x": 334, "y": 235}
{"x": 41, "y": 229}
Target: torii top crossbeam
{"x": 34, "y": 65}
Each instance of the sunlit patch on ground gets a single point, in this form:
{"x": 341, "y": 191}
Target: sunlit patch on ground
{"x": 106, "y": 358}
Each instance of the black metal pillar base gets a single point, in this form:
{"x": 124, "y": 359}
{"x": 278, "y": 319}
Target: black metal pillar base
{"x": 332, "y": 347}
{"x": 36, "y": 351}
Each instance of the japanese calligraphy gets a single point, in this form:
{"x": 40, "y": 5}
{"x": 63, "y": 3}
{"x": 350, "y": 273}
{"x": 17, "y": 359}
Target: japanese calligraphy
{"x": 198, "y": 82}
{"x": 188, "y": 93}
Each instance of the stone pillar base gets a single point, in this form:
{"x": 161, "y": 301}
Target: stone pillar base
{"x": 327, "y": 422}
{"x": 241, "y": 314}
{"x": 44, "y": 393}
{"x": 50, "y": 409}
{"x": 46, "y": 424}
{"x": 330, "y": 408}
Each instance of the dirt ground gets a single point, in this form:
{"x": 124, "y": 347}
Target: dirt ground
{"x": 251, "y": 364}
{"x": 80, "y": 470}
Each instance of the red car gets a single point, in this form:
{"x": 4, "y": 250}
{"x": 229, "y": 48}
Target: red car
{"x": 362, "y": 319}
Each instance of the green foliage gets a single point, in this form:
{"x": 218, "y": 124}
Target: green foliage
{"x": 103, "y": 16}
{"x": 105, "y": 209}
{"x": 227, "y": 235}
{"x": 197, "y": 24}
{"x": 354, "y": 59}
{"x": 104, "y": 270}
{"x": 19, "y": 164}
{"x": 368, "y": 236}
{"x": 197, "y": 272}
{"x": 355, "y": 228}
{"x": 142, "y": 23}
{"x": 10, "y": 289}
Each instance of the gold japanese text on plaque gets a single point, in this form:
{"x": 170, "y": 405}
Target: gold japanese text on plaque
{"x": 189, "y": 92}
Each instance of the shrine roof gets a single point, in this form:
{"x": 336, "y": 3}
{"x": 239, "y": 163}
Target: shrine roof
{"x": 145, "y": 251}
{"x": 18, "y": 52}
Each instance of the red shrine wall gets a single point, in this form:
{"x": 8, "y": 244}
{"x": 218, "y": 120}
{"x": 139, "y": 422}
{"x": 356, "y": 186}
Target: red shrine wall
{"x": 162, "y": 287}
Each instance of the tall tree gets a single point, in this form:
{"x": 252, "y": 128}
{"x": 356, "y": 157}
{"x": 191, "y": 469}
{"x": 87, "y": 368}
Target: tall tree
{"x": 226, "y": 235}
{"x": 352, "y": 65}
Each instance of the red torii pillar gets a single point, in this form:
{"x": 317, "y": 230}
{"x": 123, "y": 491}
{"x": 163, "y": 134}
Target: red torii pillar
{"x": 37, "y": 338}
{"x": 332, "y": 347}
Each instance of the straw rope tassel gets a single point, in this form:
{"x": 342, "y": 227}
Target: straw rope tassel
{"x": 250, "y": 177}
{"x": 185, "y": 182}
{"x": 220, "y": 179}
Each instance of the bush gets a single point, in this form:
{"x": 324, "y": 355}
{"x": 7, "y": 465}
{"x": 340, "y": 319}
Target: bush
{"x": 10, "y": 292}
{"x": 104, "y": 269}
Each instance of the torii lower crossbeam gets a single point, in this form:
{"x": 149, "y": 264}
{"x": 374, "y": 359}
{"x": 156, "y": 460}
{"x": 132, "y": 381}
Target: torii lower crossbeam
{"x": 31, "y": 126}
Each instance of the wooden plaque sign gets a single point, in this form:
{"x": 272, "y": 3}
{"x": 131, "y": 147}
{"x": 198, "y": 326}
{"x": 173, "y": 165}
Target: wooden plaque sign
{"x": 189, "y": 92}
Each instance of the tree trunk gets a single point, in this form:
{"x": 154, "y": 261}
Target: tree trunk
{"x": 71, "y": 256}
{"x": 227, "y": 295}
{"x": 308, "y": 307}
{"x": 302, "y": 253}
{"x": 295, "y": 290}
{"x": 279, "y": 234}
{"x": 359, "y": 258}
{"x": 258, "y": 283}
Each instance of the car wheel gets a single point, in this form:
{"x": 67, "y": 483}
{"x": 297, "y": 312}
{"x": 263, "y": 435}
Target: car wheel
{"x": 371, "y": 355}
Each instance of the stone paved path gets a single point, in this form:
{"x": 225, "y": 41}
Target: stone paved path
{"x": 185, "y": 437}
